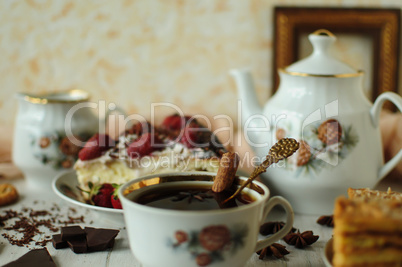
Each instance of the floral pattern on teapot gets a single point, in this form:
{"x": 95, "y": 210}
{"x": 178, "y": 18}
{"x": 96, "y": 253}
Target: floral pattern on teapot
{"x": 323, "y": 145}
{"x": 55, "y": 149}
{"x": 209, "y": 244}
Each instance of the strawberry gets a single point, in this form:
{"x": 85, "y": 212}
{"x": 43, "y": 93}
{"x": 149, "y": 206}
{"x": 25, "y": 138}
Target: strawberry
{"x": 115, "y": 198}
{"x": 104, "y": 195}
{"x": 100, "y": 194}
{"x": 95, "y": 147}
{"x": 102, "y": 198}
{"x": 175, "y": 122}
{"x": 89, "y": 153}
{"x": 142, "y": 146}
{"x": 116, "y": 202}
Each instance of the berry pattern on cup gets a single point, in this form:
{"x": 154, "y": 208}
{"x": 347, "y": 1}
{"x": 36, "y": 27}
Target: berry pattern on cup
{"x": 211, "y": 243}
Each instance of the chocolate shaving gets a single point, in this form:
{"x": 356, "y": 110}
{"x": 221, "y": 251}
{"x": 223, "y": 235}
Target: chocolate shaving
{"x": 72, "y": 220}
{"x": 25, "y": 227}
{"x": 38, "y": 213}
{"x": 327, "y": 220}
{"x": 301, "y": 240}
{"x": 276, "y": 249}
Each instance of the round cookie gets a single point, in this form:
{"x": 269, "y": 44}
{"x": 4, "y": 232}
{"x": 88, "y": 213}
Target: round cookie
{"x": 8, "y": 194}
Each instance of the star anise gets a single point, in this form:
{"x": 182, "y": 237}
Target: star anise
{"x": 270, "y": 228}
{"x": 275, "y": 249}
{"x": 191, "y": 195}
{"x": 301, "y": 240}
{"x": 327, "y": 220}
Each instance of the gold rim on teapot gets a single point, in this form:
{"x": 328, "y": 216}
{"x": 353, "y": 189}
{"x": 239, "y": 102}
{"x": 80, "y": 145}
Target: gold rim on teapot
{"x": 67, "y": 96}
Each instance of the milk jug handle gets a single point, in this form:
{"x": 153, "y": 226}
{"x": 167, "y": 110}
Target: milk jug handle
{"x": 375, "y": 118}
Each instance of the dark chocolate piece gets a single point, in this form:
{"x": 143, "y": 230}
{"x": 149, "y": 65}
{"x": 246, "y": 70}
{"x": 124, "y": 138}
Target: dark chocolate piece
{"x": 58, "y": 243}
{"x": 99, "y": 239}
{"x": 36, "y": 257}
{"x": 111, "y": 244}
{"x": 78, "y": 245}
{"x": 72, "y": 232}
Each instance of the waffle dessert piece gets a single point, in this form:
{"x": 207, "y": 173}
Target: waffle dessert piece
{"x": 368, "y": 229}
{"x": 179, "y": 144}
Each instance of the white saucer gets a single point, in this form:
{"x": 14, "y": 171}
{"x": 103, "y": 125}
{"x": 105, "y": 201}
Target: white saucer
{"x": 328, "y": 253}
{"x": 65, "y": 186}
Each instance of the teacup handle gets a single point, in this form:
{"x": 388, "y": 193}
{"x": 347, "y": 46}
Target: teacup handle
{"x": 285, "y": 229}
{"x": 375, "y": 119}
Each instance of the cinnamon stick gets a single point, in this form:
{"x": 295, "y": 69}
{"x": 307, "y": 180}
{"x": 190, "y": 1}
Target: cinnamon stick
{"x": 226, "y": 172}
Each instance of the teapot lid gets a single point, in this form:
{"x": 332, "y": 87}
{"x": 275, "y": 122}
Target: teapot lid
{"x": 320, "y": 62}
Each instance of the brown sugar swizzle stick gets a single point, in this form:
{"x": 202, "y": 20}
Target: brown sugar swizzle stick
{"x": 284, "y": 148}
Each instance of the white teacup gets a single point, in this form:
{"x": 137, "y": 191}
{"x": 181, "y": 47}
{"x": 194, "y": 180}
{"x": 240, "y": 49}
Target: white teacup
{"x": 218, "y": 237}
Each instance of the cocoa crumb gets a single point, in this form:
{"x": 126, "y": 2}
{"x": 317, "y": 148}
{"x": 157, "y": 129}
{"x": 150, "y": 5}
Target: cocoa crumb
{"x": 25, "y": 228}
{"x": 44, "y": 242}
{"x": 55, "y": 208}
{"x": 72, "y": 220}
{"x": 74, "y": 211}
{"x": 9, "y": 215}
{"x": 38, "y": 213}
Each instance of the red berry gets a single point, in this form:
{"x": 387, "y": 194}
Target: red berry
{"x": 175, "y": 122}
{"x": 102, "y": 195}
{"x": 116, "y": 202}
{"x": 102, "y": 200}
{"x": 144, "y": 145}
{"x": 88, "y": 153}
{"x": 95, "y": 146}
{"x": 115, "y": 198}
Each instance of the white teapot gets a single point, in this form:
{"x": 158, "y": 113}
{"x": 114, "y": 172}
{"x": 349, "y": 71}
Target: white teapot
{"x": 320, "y": 102}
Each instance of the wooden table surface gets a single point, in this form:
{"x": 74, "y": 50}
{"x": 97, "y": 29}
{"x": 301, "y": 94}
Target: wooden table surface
{"x": 121, "y": 255}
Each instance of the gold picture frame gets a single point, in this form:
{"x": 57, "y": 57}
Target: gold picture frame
{"x": 382, "y": 26}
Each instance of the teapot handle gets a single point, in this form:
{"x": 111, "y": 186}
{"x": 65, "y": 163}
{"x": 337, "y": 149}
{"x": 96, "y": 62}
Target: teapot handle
{"x": 375, "y": 118}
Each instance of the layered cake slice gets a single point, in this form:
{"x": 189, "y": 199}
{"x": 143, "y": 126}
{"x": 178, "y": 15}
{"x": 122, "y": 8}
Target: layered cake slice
{"x": 180, "y": 144}
{"x": 366, "y": 193}
{"x": 368, "y": 229}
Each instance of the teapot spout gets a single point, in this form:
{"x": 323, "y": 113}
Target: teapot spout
{"x": 246, "y": 93}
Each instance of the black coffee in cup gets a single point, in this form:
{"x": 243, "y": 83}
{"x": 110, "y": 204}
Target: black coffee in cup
{"x": 191, "y": 197}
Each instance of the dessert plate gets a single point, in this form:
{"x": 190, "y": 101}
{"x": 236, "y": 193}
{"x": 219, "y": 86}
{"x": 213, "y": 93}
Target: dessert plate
{"x": 65, "y": 186}
{"x": 328, "y": 253}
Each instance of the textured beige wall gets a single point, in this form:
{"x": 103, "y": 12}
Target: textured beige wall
{"x": 134, "y": 53}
